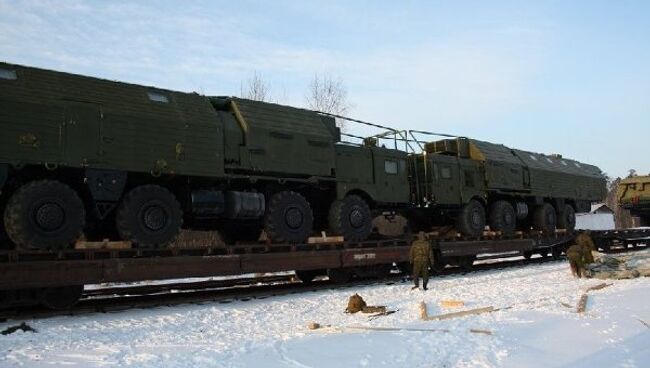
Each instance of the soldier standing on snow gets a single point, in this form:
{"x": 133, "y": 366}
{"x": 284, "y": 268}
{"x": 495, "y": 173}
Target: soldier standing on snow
{"x": 584, "y": 241}
{"x": 579, "y": 254}
{"x": 421, "y": 258}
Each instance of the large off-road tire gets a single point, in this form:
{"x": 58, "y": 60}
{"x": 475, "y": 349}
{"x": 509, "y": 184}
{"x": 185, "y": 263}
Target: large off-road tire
{"x": 44, "y": 214}
{"x": 288, "y": 218}
{"x": 471, "y": 219}
{"x": 544, "y": 218}
{"x": 566, "y": 219}
{"x": 149, "y": 216}
{"x": 351, "y": 218}
{"x": 503, "y": 218}
{"x": 5, "y": 242}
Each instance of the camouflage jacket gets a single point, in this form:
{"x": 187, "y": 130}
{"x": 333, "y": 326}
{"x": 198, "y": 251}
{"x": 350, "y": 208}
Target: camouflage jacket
{"x": 585, "y": 241}
{"x": 421, "y": 252}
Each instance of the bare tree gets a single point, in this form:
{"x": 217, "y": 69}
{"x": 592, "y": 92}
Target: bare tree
{"x": 256, "y": 88}
{"x": 328, "y": 94}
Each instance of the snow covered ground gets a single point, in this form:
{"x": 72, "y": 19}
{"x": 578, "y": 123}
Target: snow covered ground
{"x": 536, "y": 331}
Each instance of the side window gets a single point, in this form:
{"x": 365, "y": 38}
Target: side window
{"x": 8, "y": 74}
{"x": 390, "y": 167}
{"x": 445, "y": 172}
{"x": 402, "y": 167}
{"x": 157, "y": 97}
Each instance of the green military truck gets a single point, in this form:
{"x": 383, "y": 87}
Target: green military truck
{"x": 104, "y": 159}
{"x": 633, "y": 194}
{"x": 473, "y": 183}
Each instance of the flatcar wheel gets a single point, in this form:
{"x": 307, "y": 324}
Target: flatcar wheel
{"x": 351, "y": 218}
{"x": 556, "y": 253}
{"x": 149, "y": 216}
{"x": 471, "y": 219}
{"x": 306, "y": 277}
{"x": 544, "y": 218}
{"x": 503, "y": 218}
{"x": 61, "y": 297}
{"x": 44, "y": 214}
{"x": 339, "y": 275}
{"x": 439, "y": 263}
{"x": 606, "y": 246}
{"x": 466, "y": 263}
{"x": 567, "y": 218}
{"x": 288, "y": 218}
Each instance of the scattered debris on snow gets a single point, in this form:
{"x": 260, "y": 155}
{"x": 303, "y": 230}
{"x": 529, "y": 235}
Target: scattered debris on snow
{"x": 619, "y": 266}
{"x": 21, "y": 327}
{"x": 532, "y": 328}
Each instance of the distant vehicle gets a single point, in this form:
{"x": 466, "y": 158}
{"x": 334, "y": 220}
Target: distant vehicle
{"x": 474, "y": 183}
{"x": 633, "y": 194}
{"x": 82, "y": 156}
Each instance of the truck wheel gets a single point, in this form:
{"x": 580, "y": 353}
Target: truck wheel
{"x": 544, "y": 218}
{"x": 149, "y": 216}
{"x": 5, "y": 242}
{"x": 351, "y": 218}
{"x": 471, "y": 219}
{"x": 503, "y": 218}
{"x": 567, "y": 218}
{"x": 288, "y": 218}
{"x": 44, "y": 214}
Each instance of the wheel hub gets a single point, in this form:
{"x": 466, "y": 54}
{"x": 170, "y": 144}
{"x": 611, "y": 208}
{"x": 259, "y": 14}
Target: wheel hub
{"x": 476, "y": 219}
{"x": 50, "y": 216}
{"x": 508, "y": 218}
{"x": 571, "y": 217}
{"x": 154, "y": 218}
{"x": 549, "y": 218}
{"x": 356, "y": 218}
{"x": 294, "y": 218}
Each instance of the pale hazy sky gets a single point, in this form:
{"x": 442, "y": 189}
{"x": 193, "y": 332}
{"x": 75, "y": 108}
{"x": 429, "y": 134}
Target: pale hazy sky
{"x": 569, "y": 77}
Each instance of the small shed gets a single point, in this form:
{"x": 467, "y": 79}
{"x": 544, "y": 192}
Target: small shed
{"x": 601, "y": 217}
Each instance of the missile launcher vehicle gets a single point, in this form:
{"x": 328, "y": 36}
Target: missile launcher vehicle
{"x": 472, "y": 184}
{"x": 82, "y": 155}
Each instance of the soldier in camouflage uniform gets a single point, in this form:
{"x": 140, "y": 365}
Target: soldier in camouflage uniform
{"x": 584, "y": 241}
{"x": 579, "y": 254}
{"x": 421, "y": 258}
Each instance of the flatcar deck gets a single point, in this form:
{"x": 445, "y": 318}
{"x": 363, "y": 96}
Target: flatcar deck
{"x": 38, "y": 269}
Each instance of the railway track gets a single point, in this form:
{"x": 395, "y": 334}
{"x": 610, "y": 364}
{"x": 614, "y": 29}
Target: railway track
{"x": 121, "y": 298}
{"x": 185, "y": 265}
